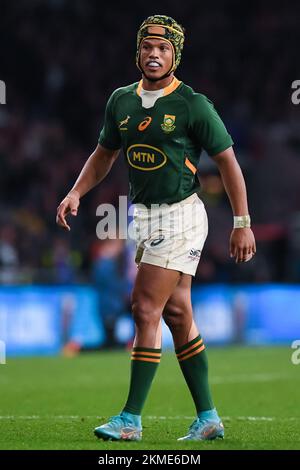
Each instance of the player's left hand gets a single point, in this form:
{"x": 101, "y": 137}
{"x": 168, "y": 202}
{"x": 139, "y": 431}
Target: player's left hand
{"x": 242, "y": 244}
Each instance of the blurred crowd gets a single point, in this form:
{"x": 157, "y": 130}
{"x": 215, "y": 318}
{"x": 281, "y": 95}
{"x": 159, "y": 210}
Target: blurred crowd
{"x": 61, "y": 60}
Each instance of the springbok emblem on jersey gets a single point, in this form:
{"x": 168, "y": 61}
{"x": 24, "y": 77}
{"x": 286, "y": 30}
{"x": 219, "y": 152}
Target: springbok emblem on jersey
{"x": 168, "y": 124}
{"x": 124, "y": 123}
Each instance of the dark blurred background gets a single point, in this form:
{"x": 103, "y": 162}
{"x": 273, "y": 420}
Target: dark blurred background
{"x": 62, "y": 59}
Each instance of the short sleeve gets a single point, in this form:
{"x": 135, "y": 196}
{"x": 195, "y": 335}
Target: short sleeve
{"x": 207, "y": 127}
{"x": 109, "y": 136}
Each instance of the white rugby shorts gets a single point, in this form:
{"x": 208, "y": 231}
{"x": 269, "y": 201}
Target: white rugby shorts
{"x": 171, "y": 236}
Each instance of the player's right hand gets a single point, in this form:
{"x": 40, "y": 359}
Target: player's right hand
{"x": 69, "y": 205}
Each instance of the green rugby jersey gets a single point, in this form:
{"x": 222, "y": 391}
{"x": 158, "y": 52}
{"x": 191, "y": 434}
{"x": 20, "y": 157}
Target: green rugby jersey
{"x": 162, "y": 144}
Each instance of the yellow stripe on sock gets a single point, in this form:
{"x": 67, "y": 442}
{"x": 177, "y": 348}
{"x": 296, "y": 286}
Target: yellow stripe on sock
{"x": 189, "y": 349}
{"x": 192, "y": 354}
{"x": 145, "y": 353}
{"x": 146, "y": 359}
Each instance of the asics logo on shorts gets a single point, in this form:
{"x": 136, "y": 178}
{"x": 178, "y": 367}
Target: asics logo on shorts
{"x": 195, "y": 254}
{"x": 157, "y": 241}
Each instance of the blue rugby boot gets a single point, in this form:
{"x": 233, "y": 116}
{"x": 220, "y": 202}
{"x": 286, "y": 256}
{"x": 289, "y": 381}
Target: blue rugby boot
{"x": 207, "y": 426}
{"x": 123, "y": 427}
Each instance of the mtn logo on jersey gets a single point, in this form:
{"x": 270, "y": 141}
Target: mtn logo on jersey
{"x": 145, "y": 157}
{"x": 168, "y": 124}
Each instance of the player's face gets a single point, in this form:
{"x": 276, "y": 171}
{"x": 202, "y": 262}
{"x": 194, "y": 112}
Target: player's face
{"x": 156, "y": 57}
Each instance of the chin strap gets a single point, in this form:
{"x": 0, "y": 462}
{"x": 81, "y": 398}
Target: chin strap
{"x": 159, "y": 78}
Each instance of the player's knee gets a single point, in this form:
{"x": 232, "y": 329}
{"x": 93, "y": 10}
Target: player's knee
{"x": 175, "y": 317}
{"x": 145, "y": 314}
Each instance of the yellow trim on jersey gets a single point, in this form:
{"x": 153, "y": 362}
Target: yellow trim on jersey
{"x": 172, "y": 87}
{"x": 167, "y": 90}
{"x": 139, "y": 88}
{"x": 190, "y": 165}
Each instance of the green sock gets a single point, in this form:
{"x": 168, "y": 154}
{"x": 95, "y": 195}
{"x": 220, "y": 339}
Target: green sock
{"x": 144, "y": 363}
{"x": 192, "y": 359}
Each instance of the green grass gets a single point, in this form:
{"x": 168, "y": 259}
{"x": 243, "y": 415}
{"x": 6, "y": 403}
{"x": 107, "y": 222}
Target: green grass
{"x": 54, "y": 403}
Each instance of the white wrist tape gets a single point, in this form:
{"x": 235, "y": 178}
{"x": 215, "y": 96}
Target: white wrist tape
{"x": 241, "y": 221}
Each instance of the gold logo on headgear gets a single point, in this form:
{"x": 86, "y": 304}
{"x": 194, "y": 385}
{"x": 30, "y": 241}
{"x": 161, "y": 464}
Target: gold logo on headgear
{"x": 156, "y": 30}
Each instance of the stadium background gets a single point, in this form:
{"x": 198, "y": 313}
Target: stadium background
{"x": 60, "y": 61}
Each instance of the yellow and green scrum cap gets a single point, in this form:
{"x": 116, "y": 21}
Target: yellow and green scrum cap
{"x": 162, "y": 27}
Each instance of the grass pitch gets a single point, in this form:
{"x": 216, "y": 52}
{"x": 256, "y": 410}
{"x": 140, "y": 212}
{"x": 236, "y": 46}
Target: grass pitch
{"x": 54, "y": 403}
